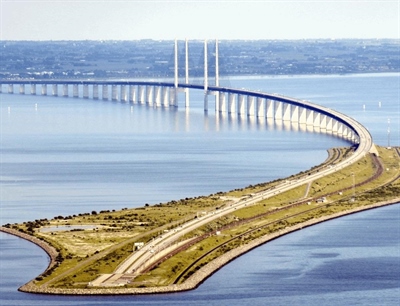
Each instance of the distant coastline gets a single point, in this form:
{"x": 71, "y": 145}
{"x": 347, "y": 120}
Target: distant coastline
{"x": 197, "y": 278}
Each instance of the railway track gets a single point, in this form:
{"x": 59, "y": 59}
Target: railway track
{"x": 337, "y": 154}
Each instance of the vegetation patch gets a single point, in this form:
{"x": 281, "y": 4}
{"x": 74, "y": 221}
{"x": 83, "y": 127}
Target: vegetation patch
{"x": 97, "y": 243}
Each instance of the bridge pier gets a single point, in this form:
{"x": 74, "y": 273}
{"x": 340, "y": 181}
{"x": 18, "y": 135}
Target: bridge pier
{"x": 140, "y": 94}
{"x": 187, "y": 99}
{"x": 329, "y": 124}
{"x": 22, "y": 89}
{"x": 286, "y": 111}
{"x": 269, "y": 109}
{"x": 323, "y": 122}
{"x": 303, "y": 115}
{"x": 334, "y": 126}
{"x": 260, "y": 109}
{"x": 65, "y": 90}
{"x": 165, "y": 101}
{"x": 278, "y": 110}
{"x": 250, "y": 105}
{"x": 173, "y": 97}
{"x": 33, "y": 89}
{"x": 85, "y": 91}
{"x": 114, "y": 92}
{"x": 294, "y": 114}
{"x": 221, "y": 101}
{"x": 157, "y": 96}
{"x": 104, "y": 92}
{"x": 123, "y": 94}
{"x": 75, "y": 91}
{"x": 95, "y": 91}
{"x": 231, "y": 103}
{"x": 10, "y": 88}
{"x": 309, "y": 117}
{"x": 205, "y": 101}
{"x": 241, "y": 104}
{"x": 132, "y": 94}
{"x": 44, "y": 89}
{"x": 149, "y": 94}
{"x": 54, "y": 90}
{"x": 317, "y": 119}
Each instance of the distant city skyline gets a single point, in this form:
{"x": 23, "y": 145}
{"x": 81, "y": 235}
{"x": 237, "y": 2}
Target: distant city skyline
{"x": 198, "y": 19}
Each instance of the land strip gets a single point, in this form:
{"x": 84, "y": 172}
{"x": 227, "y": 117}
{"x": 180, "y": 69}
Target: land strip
{"x": 378, "y": 183}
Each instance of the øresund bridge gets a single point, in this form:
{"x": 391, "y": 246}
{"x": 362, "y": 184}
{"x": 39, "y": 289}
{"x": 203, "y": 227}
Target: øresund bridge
{"x": 227, "y": 100}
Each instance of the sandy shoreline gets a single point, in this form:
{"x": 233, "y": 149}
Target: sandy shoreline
{"x": 192, "y": 282}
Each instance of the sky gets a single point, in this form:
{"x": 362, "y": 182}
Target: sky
{"x": 198, "y": 19}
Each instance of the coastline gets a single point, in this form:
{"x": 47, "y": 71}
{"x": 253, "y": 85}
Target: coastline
{"x": 193, "y": 281}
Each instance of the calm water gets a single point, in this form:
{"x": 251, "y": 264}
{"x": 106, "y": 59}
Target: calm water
{"x": 62, "y": 156}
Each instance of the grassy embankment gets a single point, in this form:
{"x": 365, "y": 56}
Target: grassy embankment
{"x": 84, "y": 254}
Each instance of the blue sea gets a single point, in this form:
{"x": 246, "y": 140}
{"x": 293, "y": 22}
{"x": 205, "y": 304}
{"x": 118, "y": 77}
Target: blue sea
{"x": 63, "y": 156}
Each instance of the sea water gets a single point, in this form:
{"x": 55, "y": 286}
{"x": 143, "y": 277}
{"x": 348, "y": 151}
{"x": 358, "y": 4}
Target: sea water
{"x": 63, "y": 156}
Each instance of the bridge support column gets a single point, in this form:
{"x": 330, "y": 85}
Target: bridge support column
{"x": 44, "y": 90}
{"x": 173, "y": 97}
{"x": 286, "y": 108}
{"x": 216, "y": 98}
{"x": 22, "y": 89}
{"x": 10, "y": 88}
{"x": 231, "y": 103}
{"x": 340, "y": 128}
{"x": 114, "y": 92}
{"x": 310, "y": 117}
{"x": 157, "y": 96}
{"x": 165, "y": 91}
{"x": 241, "y": 104}
{"x": 317, "y": 120}
{"x": 250, "y": 106}
{"x": 33, "y": 89}
{"x": 65, "y": 90}
{"x": 323, "y": 122}
{"x": 104, "y": 92}
{"x": 303, "y": 115}
{"x": 295, "y": 114}
{"x": 329, "y": 124}
{"x": 335, "y": 127}
{"x": 1, "y": 88}
{"x": 345, "y": 132}
{"x": 75, "y": 90}
{"x": 205, "y": 101}
{"x": 270, "y": 109}
{"x": 149, "y": 94}
{"x": 85, "y": 91}
{"x": 278, "y": 110}
{"x": 222, "y": 101}
{"x": 95, "y": 91}
{"x": 123, "y": 94}
{"x": 124, "y": 97}
{"x": 132, "y": 94}
{"x": 140, "y": 94}
{"x": 260, "y": 107}
{"x": 187, "y": 98}
{"x": 54, "y": 90}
